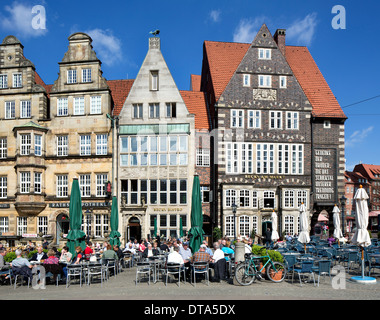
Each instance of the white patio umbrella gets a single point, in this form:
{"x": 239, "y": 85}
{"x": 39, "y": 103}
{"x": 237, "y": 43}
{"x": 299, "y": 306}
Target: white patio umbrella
{"x": 304, "y": 236}
{"x": 274, "y": 235}
{"x": 336, "y": 220}
{"x": 361, "y": 236}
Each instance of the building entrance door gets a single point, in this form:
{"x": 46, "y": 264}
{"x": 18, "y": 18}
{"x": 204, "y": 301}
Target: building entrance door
{"x": 134, "y": 228}
{"x": 63, "y": 226}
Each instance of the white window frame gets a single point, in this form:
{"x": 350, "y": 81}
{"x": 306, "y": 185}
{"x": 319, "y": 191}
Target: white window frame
{"x": 71, "y": 76}
{"x": 25, "y": 144}
{"x": 230, "y": 226}
{"x": 78, "y": 105}
{"x": 38, "y": 182}
{"x": 275, "y": 119}
{"x": 62, "y": 186}
{"x": 86, "y": 75}
{"x": 154, "y": 80}
{"x": 265, "y": 54}
{"x": 101, "y": 144}
{"x": 244, "y": 226}
{"x": 10, "y": 110}
{"x": 62, "y": 107}
{"x": 282, "y": 82}
{"x": 202, "y": 157}
{"x": 4, "y": 224}
{"x": 244, "y": 195}
{"x": 154, "y": 110}
{"x": 171, "y": 110}
{"x": 3, "y": 81}
{"x": 289, "y": 225}
{"x": 85, "y": 185}
{"x": 292, "y": 120}
{"x": 101, "y": 179}
{"x": 22, "y": 225}
{"x": 101, "y": 224}
{"x": 3, "y": 187}
{"x": 95, "y": 104}
{"x": 327, "y": 124}
{"x": 246, "y": 80}
{"x": 3, "y": 147}
{"x": 17, "y": 80}
{"x": 62, "y": 145}
{"x": 85, "y": 144}
{"x": 289, "y": 198}
{"x": 265, "y": 158}
{"x": 265, "y": 81}
{"x": 254, "y": 119}
{"x": 42, "y": 224}
{"x": 230, "y": 197}
{"x": 25, "y": 182}
{"x": 137, "y": 111}
{"x": 237, "y": 118}
{"x": 25, "y": 109}
{"x": 38, "y": 145}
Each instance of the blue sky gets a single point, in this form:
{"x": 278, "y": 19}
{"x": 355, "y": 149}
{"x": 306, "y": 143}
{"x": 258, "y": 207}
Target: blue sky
{"x": 348, "y": 58}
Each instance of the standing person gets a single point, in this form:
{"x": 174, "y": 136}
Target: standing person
{"x": 268, "y": 235}
{"x": 218, "y": 263}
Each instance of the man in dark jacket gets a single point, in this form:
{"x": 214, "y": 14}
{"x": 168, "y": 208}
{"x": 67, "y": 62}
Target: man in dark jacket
{"x": 268, "y": 237}
{"x": 39, "y": 255}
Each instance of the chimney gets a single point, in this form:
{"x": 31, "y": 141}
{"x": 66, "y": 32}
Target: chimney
{"x": 279, "y": 37}
{"x": 154, "y": 43}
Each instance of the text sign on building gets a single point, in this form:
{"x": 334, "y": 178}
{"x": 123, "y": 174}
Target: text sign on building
{"x": 325, "y": 175}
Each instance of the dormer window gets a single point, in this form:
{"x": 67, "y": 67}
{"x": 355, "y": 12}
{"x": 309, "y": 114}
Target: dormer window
{"x": 265, "y": 54}
{"x": 327, "y": 124}
{"x": 71, "y": 76}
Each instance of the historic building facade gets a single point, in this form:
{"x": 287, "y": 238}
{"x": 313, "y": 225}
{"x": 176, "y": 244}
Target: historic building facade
{"x": 273, "y": 143}
{"x": 155, "y": 167}
{"x": 49, "y": 135}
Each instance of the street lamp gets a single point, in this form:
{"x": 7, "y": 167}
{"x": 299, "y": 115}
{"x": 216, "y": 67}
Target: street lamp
{"x": 343, "y": 204}
{"x": 234, "y": 207}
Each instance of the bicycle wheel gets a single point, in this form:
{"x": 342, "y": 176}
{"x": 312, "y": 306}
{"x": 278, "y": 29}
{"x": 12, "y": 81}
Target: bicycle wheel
{"x": 276, "y": 272}
{"x": 245, "y": 275}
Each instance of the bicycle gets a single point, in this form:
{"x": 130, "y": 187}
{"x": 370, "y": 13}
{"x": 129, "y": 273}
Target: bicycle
{"x": 247, "y": 272}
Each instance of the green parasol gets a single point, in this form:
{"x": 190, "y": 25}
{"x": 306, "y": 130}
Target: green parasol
{"x": 180, "y": 228}
{"x": 196, "y": 231}
{"x": 114, "y": 221}
{"x": 155, "y": 228}
{"x": 75, "y": 236}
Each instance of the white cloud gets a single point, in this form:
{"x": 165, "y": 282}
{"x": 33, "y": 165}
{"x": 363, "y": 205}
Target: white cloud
{"x": 302, "y": 31}
{"x": 106, "y": 45}
{"x": 358, "y": 136}
{"x": 22, "y": 20}
{"x": 247, "y": 29}
{"x": 215, "y": 15}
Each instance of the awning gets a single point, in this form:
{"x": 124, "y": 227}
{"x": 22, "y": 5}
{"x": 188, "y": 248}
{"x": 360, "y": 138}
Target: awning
{"x": 374, "y": 213}
{"x": 155, "y": 129}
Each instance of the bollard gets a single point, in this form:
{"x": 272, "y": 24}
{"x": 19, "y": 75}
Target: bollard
{"x": 239, "y": 252}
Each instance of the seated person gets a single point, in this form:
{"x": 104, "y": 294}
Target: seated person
{"x": 4, "y": 270}
{"x": 109, "y": 253}
{"x": 51, "y": 259}
{"x": 130, "y": 249}
{"x": 175, "y": 257}
{"x": 51, "y": 264}
{"x": 39, "y": 255}
{"x": 65, "y": 259}
{"x": 21, "y": 265}
{"x": 150, "y": 251}
{"x": 88, "y": 250}
{"x": 118, "y": 252}
{"x": 79, "y": 255}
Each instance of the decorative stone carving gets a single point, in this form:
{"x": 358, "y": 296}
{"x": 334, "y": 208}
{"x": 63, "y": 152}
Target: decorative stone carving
{"x": 264, "y": 94}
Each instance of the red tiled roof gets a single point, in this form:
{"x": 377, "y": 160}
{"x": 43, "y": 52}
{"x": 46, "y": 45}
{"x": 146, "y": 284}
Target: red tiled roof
{"x": 196, "y": 104}
{"x": 39, "y": 81}
{"x": 225, "y": 57}
{"x": 368, "y": 170}
{"x": 119, "y": 92}
{"x": 195, "y": 82}
{"x": 313, "y": 83}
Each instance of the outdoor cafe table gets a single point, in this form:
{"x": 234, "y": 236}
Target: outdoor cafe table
{"x": 155, "y": 262}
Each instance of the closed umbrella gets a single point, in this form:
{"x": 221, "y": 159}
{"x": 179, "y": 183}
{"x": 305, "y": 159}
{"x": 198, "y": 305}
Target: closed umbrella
{"x": 155, "y": 227}
{"x": 114, "y": 222}
{"x": 196, "y": 231}
{"x": 361, "y": 236}
{"x": 76, "y": 236}
{"x": 274, "y": 235}
{"x": 336, "y": 220}
{"x": 180, "y": 227}
{"x": 304, "y": 236}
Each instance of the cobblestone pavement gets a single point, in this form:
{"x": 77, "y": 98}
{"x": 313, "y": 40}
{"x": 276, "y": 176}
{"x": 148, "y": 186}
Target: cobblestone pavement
{"x": 122, "y": 287}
